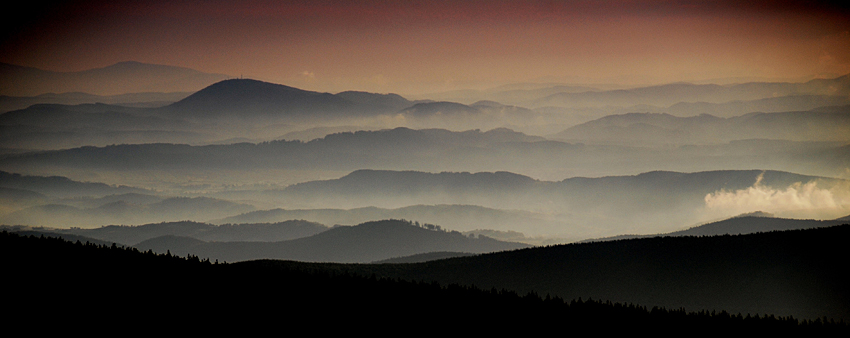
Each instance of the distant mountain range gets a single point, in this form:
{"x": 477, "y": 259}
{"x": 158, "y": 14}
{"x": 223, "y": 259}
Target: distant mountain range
{"x": 59, "y": 186}
{"x": 442, "y": 150}
{"x": 738, "y": 108}
{"x": 138, "y": 100}
{"x": 120, "y": 78}
{"x": 191, "y": 237}
{"x": 130, "y": 235}
{"x": 670, "y": 94}
{"x": 616, "y": 204}
{"x": 124, "y": 212}
{"x": 643, "y": 190}
{"x": 367, "y": 242}
{"x": 464, "y": 218}
{"x": 234, "y": 108}
{"x": 391, "y": 145}
{"x": 57, "y": 201}
{"x": 292, "y": 240}
{"x": 572, "y": 209}
{"x": 821, "y": 124}
{"x": 135, "y": 77}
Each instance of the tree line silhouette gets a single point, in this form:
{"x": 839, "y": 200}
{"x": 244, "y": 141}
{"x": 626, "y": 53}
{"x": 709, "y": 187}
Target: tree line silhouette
{"x": 121, "y": 287}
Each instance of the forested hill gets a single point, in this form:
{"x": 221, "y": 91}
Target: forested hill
{"x": 739, "y": 225}
{"x": 784, "y": 273}
{"x": 126, "y": 288}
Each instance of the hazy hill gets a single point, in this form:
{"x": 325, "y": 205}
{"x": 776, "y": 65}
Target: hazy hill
{"x": 310, "y": 134}
{"x": 343, "y": 150}
{"x": 120, "y": 78}
{"x": 669, "y": 94}
{"x": 766, "y": 105}
{"x": 241, "y": 99}
{"x": 422, "y": 138}
{"x": 479, "y": 115}
{"x": 140, "y": 100}
{"x": 123, "y": 212}
{"x": 130, "y": 198}
{"x": 455, "y": 217}
{"x": 367, "y": 182}
{"x": 58, "y": 186}
{"x": 567, "y": 106}
{"x": 13, "y": 194}
{"x": 363, "y": 243}
{"x": 514, "y": 94}
{"x": 380, "y": 102}
{"x": 443, "y": 109}
{"x": 61, "y": 202}
{"x": 585, "y": 207}
{"x": 394, "y": 189}
{"x": 572, "y": 209}
{"x": 54, "y": 126}
{"x": 443, "y": 150}
{"x": 725, "y": 109}
{"x": 238, "y": 98}
{"x": 234, "y": 108}
{"x": 667, "y": 190}
{"x": 255, "y": 232}
{"x": 823, "y": 124}
{"x": 223, "y": 110}
{"x": 657, "y": 189}
{"x": 92, "y": 116}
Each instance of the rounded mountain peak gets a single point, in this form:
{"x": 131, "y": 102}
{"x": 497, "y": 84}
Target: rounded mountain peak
{"x": 245, "y": 98}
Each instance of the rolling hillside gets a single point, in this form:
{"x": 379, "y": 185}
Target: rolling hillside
{"x": 782, "y": 273}
{"x": 367, "y": 242}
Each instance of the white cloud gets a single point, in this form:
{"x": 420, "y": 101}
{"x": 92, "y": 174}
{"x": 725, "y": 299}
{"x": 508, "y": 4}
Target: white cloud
{"x": 799, "y": 200}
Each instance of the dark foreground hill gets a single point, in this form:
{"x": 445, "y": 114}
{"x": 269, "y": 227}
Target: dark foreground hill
{"x": 125, "y": 289}
{"x": 740, "y": 225}
{"x": 797, "y": 272}
{"x": 752, "y": 224}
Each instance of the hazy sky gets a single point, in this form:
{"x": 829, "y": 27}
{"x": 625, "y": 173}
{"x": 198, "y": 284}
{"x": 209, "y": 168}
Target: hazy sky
{"x": 415, "y": 46}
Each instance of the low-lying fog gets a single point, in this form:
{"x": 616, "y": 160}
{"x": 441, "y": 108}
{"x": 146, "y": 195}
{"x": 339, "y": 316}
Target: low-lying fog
{"x": 558, "y": 162}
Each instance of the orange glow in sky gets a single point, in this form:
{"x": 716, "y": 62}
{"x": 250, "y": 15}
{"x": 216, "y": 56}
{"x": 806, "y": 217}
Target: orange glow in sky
{"x": 421, "y": 46}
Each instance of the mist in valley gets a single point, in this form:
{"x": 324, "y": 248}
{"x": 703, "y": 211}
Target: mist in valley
{"x": 243, "y": 146}
{"x": 424, "y": 144}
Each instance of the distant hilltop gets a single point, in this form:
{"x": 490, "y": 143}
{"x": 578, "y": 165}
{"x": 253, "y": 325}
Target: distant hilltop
{"x": 120, "y": 78}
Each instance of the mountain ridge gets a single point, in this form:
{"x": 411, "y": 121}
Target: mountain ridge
{"x": 363, "y": 243}
{"x": 830, "y": 124}
{"x": 260, "y": 100}
{"x": 119, "y": 78}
